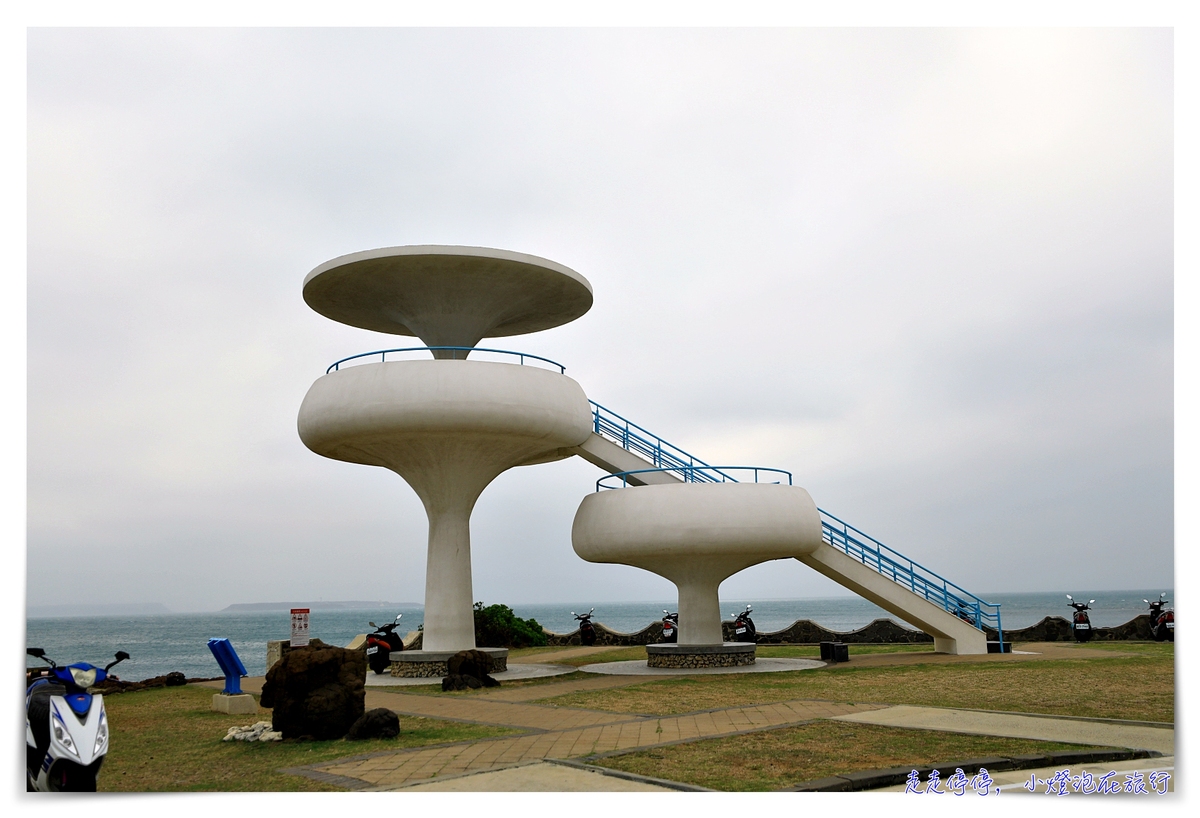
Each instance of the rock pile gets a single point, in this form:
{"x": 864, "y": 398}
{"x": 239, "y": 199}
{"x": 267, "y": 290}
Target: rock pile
{"x": 172, "y": 679}
{"x": 259, "y": 731}
{"x": 468, "y": 669}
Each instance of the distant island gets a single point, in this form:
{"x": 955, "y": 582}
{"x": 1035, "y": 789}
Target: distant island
{"x": 350, "y": 605}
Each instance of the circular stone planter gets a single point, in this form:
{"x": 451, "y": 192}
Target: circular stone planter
{"x": 426, "y": 664}
{"x": 637, "y": 667}
{"x": 730, "y": 654}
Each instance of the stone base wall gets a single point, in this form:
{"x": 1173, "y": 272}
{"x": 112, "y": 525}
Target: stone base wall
{"x": 700, "y": 660}
{"x": 701, "y": 657}
{"x": 436, "y": 668}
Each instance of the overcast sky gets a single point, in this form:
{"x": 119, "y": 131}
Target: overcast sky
{"x": 927, "y": 271}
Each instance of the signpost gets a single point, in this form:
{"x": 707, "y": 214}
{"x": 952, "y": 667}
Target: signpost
{"x": 299, "y": 627}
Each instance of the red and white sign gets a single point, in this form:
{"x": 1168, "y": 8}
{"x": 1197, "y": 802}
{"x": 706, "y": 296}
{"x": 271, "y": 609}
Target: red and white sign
{"x": 299, "y": 627}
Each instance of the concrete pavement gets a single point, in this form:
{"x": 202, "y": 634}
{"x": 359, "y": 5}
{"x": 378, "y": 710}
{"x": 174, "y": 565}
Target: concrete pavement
{"x": 1044, "y": 728}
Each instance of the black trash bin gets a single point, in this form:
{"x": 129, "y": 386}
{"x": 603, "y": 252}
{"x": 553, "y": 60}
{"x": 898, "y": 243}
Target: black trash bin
{"x": 835, "y": 652}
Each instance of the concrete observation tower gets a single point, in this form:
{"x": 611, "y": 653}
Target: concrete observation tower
{"x": 446, "y": 424}
{"x": 449, "y": 425}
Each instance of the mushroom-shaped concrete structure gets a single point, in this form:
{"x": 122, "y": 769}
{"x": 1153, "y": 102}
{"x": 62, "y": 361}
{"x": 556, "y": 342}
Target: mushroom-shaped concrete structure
{"x": 447, "y": 296}
{"x": 448, "y": 427}
{"x": 696, "y": 535}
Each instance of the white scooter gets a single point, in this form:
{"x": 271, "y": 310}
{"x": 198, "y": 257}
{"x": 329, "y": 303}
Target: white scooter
{"x": 66, "y": 728}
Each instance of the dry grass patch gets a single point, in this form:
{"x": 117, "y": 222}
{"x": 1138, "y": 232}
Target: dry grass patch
{"x": 169, "y": 740}
{"x": 1139, "y": 687}
{"x": 774, "y": 759}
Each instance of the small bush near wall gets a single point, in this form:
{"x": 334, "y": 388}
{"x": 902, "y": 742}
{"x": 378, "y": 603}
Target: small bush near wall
{"x": 496, "y": 626}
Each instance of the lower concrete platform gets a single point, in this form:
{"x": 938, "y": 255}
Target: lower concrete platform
{"x": 514, "y": 673}
{"x": 638, "y": 667}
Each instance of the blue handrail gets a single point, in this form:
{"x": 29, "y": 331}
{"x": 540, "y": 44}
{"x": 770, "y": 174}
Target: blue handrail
{"x": 633, "y": 438}
{"x": 382, "y": 353}
{"x": 866, "y": 549}
{"x": 917, "y": 578}
{"x": 693, "y": 473}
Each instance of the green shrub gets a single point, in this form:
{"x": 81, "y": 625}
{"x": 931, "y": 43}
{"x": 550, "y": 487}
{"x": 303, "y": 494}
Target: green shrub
{"x": 496, "y": 626}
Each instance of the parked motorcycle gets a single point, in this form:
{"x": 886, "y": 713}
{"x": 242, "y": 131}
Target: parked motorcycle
{"x": 587, "y": 631}
{"x": 66, "y": 728}
{"x": 670, "y": 626}
{"x": 1162, "y": 623}
{"x": 743, "y": 627}
{"x": 1081, "y": 624}
{"x": 381, "y": 643}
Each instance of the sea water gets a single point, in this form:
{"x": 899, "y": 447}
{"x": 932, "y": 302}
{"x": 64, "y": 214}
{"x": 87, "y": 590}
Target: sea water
{"x": 160, "y": 644}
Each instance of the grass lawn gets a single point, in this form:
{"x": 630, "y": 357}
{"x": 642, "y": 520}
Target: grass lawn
{"x": 785, "y": 757}
{"x": 168, "y": 739}
{"x": 1140, "y": 687}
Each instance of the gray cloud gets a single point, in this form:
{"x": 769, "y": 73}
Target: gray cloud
{"x": 928, "y": 271}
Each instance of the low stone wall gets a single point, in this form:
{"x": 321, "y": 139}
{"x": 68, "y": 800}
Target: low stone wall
{"x": 648, "y": 635}
{"x": 1058, "y": 629}
{"x": 699, "y": 656}
{"x": 881, "y": 631}
{"x": 807, "y": 632}
{"x": 801, "y": 632}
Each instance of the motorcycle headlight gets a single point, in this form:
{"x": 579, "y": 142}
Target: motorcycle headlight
{"x": 101, "y": 735}
{"x": 83, "y": 678}
{"x": 63, "y": 739}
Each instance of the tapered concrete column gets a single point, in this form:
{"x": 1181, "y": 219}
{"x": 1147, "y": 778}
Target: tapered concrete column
{"x": 449, "y": 622}
{"x": 696, "y": 535}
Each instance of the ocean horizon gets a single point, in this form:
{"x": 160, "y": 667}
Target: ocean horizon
{"x": 159, "y": 643}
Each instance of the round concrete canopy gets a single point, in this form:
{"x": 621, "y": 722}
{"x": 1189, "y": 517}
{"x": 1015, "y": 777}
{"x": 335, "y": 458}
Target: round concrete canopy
{"x": 446, "y": 295}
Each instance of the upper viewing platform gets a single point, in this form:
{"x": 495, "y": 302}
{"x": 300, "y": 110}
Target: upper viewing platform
{"x": 445, "y": 295}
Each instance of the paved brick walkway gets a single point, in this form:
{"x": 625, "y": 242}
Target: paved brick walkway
{"x": 563, "y": 733}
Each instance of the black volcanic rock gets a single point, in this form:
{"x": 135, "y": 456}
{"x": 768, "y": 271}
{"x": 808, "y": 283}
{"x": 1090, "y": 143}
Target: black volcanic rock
{"x": 318, "y": 691}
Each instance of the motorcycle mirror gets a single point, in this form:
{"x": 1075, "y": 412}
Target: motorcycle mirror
{"x": 1146, "y": 601}
{"x": 36, "y": 653}
{"x": 372, "y": 624}
{"x": 398, "y": 618}
{"x": 1090, "y": 601}
{"x": 1070, "y": 597}
{"x": 592, "y": 611}
{"x": 122, "y": 656}
{"x": 574, "y": 614}
{"x": 1163, "y": 595}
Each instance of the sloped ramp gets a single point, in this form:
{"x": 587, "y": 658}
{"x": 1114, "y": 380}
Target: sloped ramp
{"x": 950, "y": 633}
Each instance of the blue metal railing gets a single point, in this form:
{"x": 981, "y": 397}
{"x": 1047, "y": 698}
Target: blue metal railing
{"x": 383, "y": 353}
{"x": 664, "y": 456}
{"x": 912, "y": 575}
{"x": 692, "y": 474}
{"x": 866, "y": 549}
